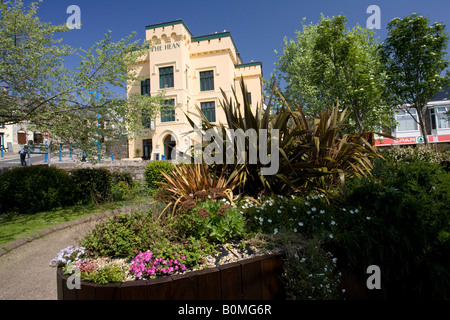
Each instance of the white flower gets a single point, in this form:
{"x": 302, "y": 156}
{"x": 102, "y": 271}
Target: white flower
{"x": 331, "y": 236}
{"x": 356, "y": 210}
{"x": 269, "y": 220}
{"x": 281, "y": 207}
{"x": 300, "y": 224}
{"x": 368, "y": 218}
{"x": 313, "y": 208}
{"x": 343, "y": 209}
{"x": 295, "y": 229}
{"x": 294, "y": 207}
{"x": 303, "y": 260}
{"x": 333, "y": 222}
{"x": 334, "y": 260}
{"x": 322, "y": 211}
{"x": 307, "y": 203}
{"x": 275, "y": 231}
{"x": 351, "y": 211}
{"x": 279, "y": 211}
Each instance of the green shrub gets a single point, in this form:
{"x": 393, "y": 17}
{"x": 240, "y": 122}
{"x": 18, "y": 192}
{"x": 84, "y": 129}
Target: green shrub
{"x": 121, "y": 191}
{"x": 117, "y": 177}
{"x": 217, "y": 221}
{"x": 124, "y": 235}
{"x": 95, "y": 183}
{"x": 310, "y": 216}
{"x": 153, "y": 171}
{"x": 309, "y": 271}
{"x": 401, "y": 227}
{"x": 36, "y": 188}
{"x": 397, "y": 154}
{"x": 109, "y": 273}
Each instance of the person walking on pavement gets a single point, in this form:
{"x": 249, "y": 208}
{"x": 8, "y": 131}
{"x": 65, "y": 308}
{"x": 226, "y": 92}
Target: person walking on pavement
{"x": 22, "y": 156}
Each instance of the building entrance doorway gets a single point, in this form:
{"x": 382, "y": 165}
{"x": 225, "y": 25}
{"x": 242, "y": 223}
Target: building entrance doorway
{"x": 147, "y": 147}
{"x": 170, "y": 147}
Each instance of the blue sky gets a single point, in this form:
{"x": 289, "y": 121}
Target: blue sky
{"x": 257, "y": 26}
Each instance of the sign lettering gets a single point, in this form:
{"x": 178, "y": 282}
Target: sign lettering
{"x": 164, "y": 47}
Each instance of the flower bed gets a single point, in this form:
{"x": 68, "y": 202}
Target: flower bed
{"x": 257, "y": 278}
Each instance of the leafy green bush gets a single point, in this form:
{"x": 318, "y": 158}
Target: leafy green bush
{"x": 124, "y": 235}
{"x": 121, "y": 191}
{"x": 117, "y": 177}
{"x": 310, "y": 272}
{"x": 310, "y": 216}
{"x": 402, "y": 227}
{"x": 36, "y": 188}
{"x": 109, "y": 273}
{"x": 397, "y": 154}
{"x": 217, "y": 221}
{"x": 153, "y": 171}
{"x": 95, "y": 183}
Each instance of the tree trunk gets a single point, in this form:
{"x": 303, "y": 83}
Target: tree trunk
{"x": 358, "y": 121}
{"x": 421, "y": 111}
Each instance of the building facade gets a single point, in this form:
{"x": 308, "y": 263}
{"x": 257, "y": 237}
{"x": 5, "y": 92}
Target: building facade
{"x": 12, "y": 136}
{"x": 408, "y": 132}
{"x": 192, "y": 70}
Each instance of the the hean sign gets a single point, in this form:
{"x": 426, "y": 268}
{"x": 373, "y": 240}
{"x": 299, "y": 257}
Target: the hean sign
{"x": 168, "y": 46}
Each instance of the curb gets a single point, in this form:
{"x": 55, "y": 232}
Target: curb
{"x": 8, "y": 247}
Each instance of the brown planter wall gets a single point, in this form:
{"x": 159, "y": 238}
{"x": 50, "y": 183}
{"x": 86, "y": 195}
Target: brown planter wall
{"x": 257, "y": 278}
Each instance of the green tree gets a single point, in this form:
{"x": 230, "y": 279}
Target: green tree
{"x": 79, "y": 105}
{"x": 414, "y": 56}
{"x": 328, "y": 64}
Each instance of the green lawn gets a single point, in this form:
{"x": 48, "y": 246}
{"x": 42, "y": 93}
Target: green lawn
{"x": 18, "y": 226}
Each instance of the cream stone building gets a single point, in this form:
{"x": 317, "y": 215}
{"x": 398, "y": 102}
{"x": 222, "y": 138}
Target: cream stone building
{"x": 192, "y": 70}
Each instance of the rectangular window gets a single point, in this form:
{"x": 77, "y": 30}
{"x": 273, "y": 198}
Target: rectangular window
{"x": 443, "y": 118}
{"x": 168, "y": 111}
{"x": 146, "y": 120}
{"x": 145, "y": 87}
{"x": 405, "y": 121}
{"x": 249, "y": 98}
{"x": 166, "y": 77}
{"x": 209, "y": 110}
{"x": 433, "y": 119}
{"x": 206, "y": 80}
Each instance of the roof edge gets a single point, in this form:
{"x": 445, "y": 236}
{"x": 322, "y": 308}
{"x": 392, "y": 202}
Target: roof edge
{"x": 168, "y": 23}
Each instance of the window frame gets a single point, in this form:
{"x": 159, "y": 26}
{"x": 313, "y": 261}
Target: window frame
{"x": 166, "y": 77}
{"x": 206, "y": 80}
{"x": 441, "y": 116}
{"x": 145, "y": 87}
{"x": 407, "y": 116}
{"x": 209, "y": 106}
{"x": 168, "y": 111}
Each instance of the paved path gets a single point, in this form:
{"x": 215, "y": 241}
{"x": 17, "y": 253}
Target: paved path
{"x": 25, "y": 273}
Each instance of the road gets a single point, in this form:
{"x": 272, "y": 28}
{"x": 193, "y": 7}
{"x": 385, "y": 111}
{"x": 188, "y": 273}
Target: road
{"x": 10, "y": 160}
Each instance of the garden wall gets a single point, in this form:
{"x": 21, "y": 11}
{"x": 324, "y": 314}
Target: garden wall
{"x": 258, "y": 278}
